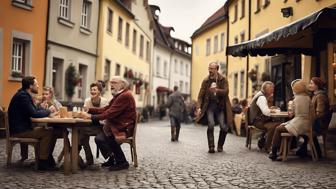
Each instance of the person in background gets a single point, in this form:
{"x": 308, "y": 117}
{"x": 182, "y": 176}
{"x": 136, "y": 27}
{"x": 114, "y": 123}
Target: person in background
{"x": 322, "y": 112}
{"x": 177, "y": 110}
{"x": 213, "y": 102}
{"x": 48, "y": 99}
{"x": 21, "y": 109}
{"x": 236, "y": 106}
{"x": 95, "y": 101}
{"x": 302, "y": 113}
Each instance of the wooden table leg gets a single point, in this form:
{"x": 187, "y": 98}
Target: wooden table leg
{"x": 66, "y": 150}
{"x": 74, "y": 149}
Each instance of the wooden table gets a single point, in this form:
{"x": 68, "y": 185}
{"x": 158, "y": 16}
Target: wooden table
{"x": 280, "y": 115}
{"x": 70, "y": 161}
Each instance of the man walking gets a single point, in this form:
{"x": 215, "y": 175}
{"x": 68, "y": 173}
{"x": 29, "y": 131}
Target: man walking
{"x": 214, "y": 106}
{"x": 176, "y": 113}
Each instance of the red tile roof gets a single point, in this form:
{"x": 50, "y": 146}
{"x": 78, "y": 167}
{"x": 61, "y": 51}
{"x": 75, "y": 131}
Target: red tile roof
{"x": 213, "y": 20}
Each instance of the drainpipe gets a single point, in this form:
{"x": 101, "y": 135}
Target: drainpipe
{"x": 227, "y": 40}
{"x": 248, "y": 57}
{"x": 46, "y": 46}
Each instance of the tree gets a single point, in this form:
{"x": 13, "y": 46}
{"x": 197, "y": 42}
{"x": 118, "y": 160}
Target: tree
{"x": 71, "y": 80}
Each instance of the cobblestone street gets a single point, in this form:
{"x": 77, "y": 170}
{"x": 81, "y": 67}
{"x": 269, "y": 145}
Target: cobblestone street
{"x": 185, "y": 164}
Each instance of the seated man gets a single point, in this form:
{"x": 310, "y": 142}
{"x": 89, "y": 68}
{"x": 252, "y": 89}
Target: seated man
{"x": 21, "y": 109}
{"x": 120, "y": 117}
{"x": 260, "y": 112}
{"x": 95, "y": 101}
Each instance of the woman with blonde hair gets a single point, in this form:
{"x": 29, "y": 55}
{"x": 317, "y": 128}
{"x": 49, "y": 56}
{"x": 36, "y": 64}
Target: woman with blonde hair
{"x": 301, "y": 121}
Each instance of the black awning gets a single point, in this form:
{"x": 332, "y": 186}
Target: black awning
{"x": 297, "y": 37}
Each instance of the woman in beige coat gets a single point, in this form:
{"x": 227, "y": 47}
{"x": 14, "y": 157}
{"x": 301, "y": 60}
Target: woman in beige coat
{"x": 301, "y": 122}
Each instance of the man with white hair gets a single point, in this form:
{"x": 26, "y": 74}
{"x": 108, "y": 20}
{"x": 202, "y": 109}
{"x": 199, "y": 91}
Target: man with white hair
{"x": 120, "y": 117}
{"x": 260, "y": 112}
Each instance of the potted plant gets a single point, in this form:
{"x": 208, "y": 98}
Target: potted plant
{"x": 71, "y": 81}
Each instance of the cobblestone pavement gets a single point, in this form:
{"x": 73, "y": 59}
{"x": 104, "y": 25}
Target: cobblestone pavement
{"x": 185, "y": 164}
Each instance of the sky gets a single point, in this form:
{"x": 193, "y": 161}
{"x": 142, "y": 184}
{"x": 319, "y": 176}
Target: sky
{"x": 186, "y": 16}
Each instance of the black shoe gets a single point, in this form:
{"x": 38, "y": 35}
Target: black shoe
{"x": 119, "y": 166}
{"x": 110, "y": 162}
{"x": 219, "y": 149}
{"x": 51, "y": 161}
{"x": 302, "y": 152}
{"x": 44, "y": 165}
{"x": 211, "y": 151}
{"x": 273, "y": 157}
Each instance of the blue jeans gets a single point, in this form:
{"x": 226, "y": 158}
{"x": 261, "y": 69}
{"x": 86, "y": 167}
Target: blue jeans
{"x": 216, "y": 112}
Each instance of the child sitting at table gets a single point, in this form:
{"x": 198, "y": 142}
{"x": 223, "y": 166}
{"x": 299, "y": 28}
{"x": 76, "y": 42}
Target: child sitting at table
{"x": 302, "y": 112}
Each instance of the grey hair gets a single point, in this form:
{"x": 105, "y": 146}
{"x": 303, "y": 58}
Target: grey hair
{"x": 264, "y": 85}
{"x": 123, "y": 80}
{"x": 215, "y": 63}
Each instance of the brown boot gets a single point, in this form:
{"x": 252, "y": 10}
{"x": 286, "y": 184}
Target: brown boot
{"x": 221, "y": 140}
{"x": 173, "y": 133}
{"x": 211, "y": 140}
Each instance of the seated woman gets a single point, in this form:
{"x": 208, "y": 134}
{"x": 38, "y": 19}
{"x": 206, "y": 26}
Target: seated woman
{"x": 302, "y": 110}
{"x": 323, "y": 114}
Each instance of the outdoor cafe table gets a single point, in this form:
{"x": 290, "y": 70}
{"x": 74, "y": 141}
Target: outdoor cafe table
{"x": 279, "y": 115}
{"x": 73, "y": 124}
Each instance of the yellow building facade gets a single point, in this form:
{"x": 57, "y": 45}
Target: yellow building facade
{"x": 208, "y": 45}
{"x": 265, "y": 17}
{"x": 123, "y": 47}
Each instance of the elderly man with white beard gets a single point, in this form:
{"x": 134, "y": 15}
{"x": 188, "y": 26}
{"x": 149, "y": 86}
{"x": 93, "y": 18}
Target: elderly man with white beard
{"x": 120, "y": 117}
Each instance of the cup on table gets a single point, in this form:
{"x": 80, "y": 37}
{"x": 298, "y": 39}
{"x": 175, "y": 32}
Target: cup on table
{"x": 63, "y": 111}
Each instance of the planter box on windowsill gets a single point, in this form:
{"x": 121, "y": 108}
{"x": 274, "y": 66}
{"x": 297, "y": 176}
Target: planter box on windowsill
{"x": 65, "y": 22}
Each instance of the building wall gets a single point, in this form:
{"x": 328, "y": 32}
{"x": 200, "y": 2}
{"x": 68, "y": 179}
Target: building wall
{"x": 26, "y": 24}
{"x": 72, "y": 44}
{"x": 159, "y": 78}
{"x": 200, "y": 60}
{"x": 179, "y": 76}
{"x": 114, "y": 50}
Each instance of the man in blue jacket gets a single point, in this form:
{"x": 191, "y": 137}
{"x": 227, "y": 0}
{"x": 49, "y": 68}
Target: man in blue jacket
{"x": 21, "y": 109}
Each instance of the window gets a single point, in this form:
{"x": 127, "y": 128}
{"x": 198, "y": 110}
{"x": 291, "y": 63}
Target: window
{"x": 158, "y": 66}
{"x": 25, "y": 4}
{"x": 109, "y": 20}
{"x": 64, "y": 9}
{"x": 82, "y": 81}
{"x": 141, "y": 46}
{"x": 242, "y": 9}
{"x": 187, "y": 87}
{"x": 117, "y": 70}
{"x": 57, "y": 77}
{"x": 20, "y": 58}
{"x": 196, "y": 50}
{"x": 235, "y": 84}
{"x": 242, "y": 37}
{"x": 258, "y": 6}
{"x": 208, "y": 48}
{"x": 222, "y": 42}
{"x": 187, "y": 69}
{"x": 181, "y": 86}
{"x": 120, "y": 26}
{"x": 175, "y": 66}
{"x": 216, "y": 44}
{"x": 147, "y": 51}
{"x": 134, "y": 41}
{"x": 165, "y": 69}
{"x": 236, "y": 40}
{"x": 127, "y": 34}
{"x": 86, "y": 11}
{"x": 235, "y": 18}
{"x": 181, "y": 67}
{"x": 242, "y": 82}
{"x": 107, "y": 69}
{"x": 28, "y": 2}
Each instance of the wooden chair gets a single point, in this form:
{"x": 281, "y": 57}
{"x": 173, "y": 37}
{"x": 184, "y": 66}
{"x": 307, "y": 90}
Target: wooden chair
{"x": 132, "y": 142}
{"x": 250, "y": 130}
{"x": 11, "y": 141}
{"x": 286, "y": 139}
{"x": 237, "y": 122}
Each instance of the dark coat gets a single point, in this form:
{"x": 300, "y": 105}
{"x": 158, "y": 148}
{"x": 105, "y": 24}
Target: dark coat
{"x": 321, "y": 106}
{"x": 224, "y": 101}
{"x": 20, "y": 110}
{"x": 176, "y": 105}
{"x": 119, "y": 115}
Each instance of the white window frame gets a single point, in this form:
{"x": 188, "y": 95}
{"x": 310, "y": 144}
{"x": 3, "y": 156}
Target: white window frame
{"x": 86, "y": 12}
{"x": 18, "y": 62}
{"x": 64, "y": 9}
{"x": 158, "y": 66}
